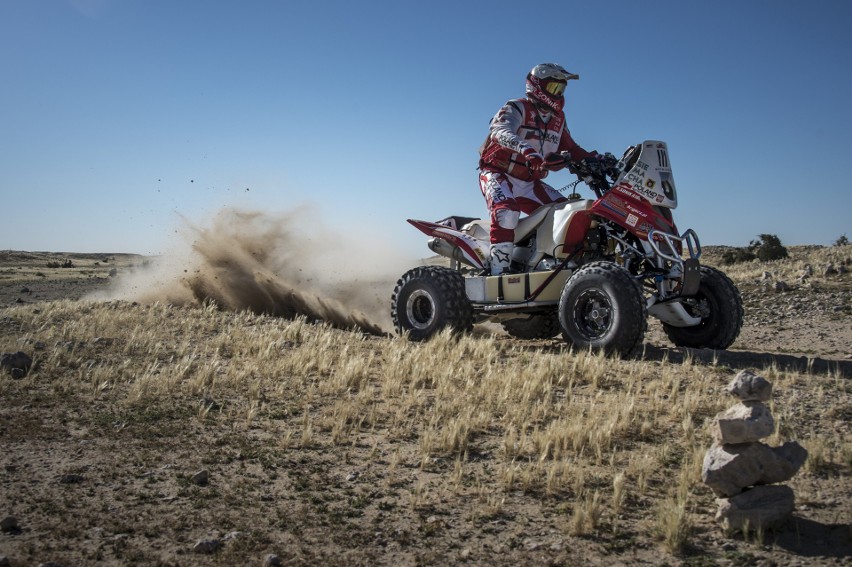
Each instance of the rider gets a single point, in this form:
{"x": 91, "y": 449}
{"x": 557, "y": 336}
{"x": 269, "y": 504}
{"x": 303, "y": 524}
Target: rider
{"x": 514, "y": 158}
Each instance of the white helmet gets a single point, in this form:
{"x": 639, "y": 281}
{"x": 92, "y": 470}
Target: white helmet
{"x": 546, "y": 84}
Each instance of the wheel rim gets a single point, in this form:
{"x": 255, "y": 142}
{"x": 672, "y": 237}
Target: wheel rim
{"x": 593, "y": 314}
{"x": 420, "y": 309}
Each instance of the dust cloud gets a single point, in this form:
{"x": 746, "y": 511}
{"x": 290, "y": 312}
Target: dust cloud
{"x": 284, "y": 264}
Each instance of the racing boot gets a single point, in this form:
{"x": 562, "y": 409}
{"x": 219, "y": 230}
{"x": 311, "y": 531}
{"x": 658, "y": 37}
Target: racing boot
{"x": 501, "y": 257}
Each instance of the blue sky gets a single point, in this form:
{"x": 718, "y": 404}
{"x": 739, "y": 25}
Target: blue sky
{"x": 119, "y": 118}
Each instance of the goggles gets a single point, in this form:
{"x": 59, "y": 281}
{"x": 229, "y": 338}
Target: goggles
{"x": 556, "y": 88}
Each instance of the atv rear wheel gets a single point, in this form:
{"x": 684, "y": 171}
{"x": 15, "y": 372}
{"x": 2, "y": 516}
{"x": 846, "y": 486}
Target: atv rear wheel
{"x": 536, "y": 326}
{"x": 428, "y": 299}
{"x": 720, "y": 307}
{"x": 602, "y": 307}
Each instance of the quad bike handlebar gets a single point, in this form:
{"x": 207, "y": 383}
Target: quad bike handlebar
{"x": 595, "y": 171}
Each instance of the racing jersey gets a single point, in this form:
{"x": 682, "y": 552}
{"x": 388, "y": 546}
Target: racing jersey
{"x": 517, "y": 127}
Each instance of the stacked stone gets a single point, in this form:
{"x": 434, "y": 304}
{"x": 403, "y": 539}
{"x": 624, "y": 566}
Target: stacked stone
{"x": 743, "y": 472}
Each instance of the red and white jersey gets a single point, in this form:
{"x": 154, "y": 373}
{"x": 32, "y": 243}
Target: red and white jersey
{"x": 518, "y": 127}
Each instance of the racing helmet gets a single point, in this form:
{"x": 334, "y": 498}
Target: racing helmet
{"x": 546, "y": 85}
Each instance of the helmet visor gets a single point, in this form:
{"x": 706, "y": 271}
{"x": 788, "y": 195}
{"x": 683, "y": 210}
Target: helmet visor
{"x": 556, "y": 88}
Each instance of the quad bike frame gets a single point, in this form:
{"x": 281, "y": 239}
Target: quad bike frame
{"x": 590, "y": 269}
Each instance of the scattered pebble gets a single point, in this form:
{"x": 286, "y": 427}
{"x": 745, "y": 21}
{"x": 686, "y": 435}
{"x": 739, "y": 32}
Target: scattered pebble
{"x": 201, "y": 478}
{"x": 206, "y": 546}
{"x": 9, "y": 524}
{"x": 71, "y": 479}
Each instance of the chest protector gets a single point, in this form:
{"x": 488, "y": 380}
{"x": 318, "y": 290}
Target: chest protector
{"x": 543, "y": 138}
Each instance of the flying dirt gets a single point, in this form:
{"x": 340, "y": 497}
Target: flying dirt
{"x": 282, "y": 264}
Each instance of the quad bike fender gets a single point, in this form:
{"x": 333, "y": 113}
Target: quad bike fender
{"x": 473, "y": 250}
{"x": 624, "y": 207}
{"x": 568, "y": 227}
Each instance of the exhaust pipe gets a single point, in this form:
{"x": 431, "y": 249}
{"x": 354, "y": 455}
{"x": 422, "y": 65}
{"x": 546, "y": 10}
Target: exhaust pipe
{"x": 444, "y": 248}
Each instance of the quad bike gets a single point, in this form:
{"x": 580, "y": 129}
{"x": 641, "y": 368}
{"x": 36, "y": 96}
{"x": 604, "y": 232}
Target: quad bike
{"x": 592, "y": 270}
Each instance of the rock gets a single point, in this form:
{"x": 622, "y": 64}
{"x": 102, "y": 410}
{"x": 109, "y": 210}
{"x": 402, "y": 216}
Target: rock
{"x": 71, "y": 479}
{"x": 728, "y": 469}
{"x": 749, "y": 387}
{"x": 4, "y": 561}
{"x": 9, "y": 524}
{"x": 781, "y": 285}
{"x": 761, "y": 508}
{"x": 830, "y": 270}
{"x": 17, "y": 364}
{"x": 206, "y": 546}
{"x": 745, "y": 422}
{"x": 272, "y": 560}
{"x": 791, "y": 457}
{"x": 201, "y": 478}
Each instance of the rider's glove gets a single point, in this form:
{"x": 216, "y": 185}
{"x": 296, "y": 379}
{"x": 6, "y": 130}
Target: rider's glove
{"x": 535, "y": 163}
{"x": 556, "y": 161}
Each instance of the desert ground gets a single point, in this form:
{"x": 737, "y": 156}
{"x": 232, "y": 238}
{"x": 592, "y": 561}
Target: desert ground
{"x": 176, "y": 429}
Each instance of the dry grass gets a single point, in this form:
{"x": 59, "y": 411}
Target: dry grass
{"x": 343, "y": 448}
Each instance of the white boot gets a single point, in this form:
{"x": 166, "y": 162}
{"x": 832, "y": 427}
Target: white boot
{"x": 501, "y": 257}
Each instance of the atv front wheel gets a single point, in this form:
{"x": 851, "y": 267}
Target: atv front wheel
{"x": 720, "y": 307}
{"x": 537, "y": 326}
{"x": 602, "y": 307}
{"x": 428, "y": 299}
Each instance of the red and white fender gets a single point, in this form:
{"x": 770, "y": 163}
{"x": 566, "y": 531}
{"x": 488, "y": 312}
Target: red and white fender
{"x": 475, "y": 251}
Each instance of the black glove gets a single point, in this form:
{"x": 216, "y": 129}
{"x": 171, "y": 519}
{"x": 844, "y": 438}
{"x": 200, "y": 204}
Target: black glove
{"x": 556, "y": 161}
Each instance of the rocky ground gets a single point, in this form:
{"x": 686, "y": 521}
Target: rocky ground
{"x": 801, "y": 324}
{"x": 32, "y": 277}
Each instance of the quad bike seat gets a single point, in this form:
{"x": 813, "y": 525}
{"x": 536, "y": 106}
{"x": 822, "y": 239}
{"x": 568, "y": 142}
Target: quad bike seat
{"x": 456, "y": 222}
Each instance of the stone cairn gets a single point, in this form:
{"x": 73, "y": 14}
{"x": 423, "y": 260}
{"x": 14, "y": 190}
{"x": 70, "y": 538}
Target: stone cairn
{"x": 743, "y": 472}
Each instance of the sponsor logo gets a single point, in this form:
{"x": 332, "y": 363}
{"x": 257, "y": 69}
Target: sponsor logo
{"x": 637, "y": 212}
{"x": 632, "y": 219}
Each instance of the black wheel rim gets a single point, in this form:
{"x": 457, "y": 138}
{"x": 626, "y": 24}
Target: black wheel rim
{"x": 593, "y": 314}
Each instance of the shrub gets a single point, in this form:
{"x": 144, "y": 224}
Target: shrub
{"x": 768, "y": 247}
{"x": 842, "y": 241}
{"x": 736, "y": 255}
